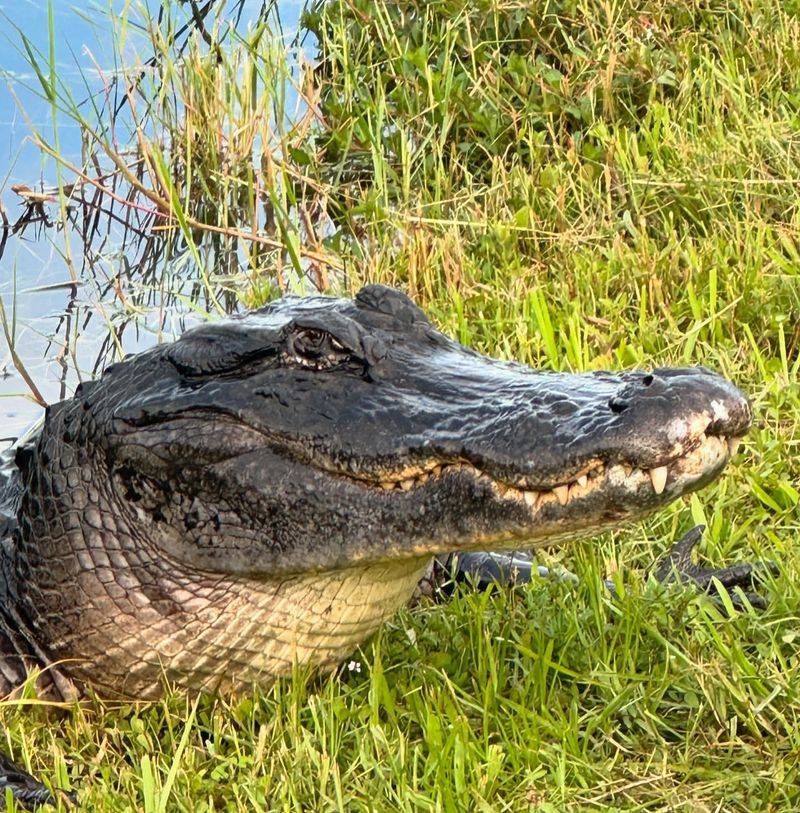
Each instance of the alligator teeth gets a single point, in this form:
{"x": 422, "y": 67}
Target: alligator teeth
{"x": 658, "y": 476}
{"x": 713, "y": 447}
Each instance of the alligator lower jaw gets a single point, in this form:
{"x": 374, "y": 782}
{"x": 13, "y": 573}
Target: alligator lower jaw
{"x": 705, "y": 456}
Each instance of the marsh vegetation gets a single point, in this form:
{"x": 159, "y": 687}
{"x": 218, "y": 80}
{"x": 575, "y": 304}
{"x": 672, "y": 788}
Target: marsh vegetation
{"x": 573, "y": 184}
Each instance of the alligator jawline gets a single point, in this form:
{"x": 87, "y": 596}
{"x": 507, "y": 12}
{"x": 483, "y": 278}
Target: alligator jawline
{"x": 591, "y": 477}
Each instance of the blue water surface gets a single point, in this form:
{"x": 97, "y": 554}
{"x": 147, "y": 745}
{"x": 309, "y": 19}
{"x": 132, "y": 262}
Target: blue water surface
{"x": 34, "y": 276}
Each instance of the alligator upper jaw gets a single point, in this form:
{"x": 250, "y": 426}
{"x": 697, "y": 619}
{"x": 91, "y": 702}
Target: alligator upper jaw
{"x": 700, "y": 461}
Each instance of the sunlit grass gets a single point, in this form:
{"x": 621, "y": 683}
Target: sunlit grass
{"x": 575, "y": 185}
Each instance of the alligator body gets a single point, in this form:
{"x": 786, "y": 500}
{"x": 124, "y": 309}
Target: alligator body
{"x": 266, "y": 490}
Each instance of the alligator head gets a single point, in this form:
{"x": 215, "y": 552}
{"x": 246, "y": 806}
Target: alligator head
{"x": 319, "y": 435}
{"x": 327, "y": 432}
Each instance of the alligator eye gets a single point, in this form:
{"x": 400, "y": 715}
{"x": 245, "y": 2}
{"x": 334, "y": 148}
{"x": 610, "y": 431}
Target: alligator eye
{"x": 310, "y": 342}
{"x": 312, "y": 347}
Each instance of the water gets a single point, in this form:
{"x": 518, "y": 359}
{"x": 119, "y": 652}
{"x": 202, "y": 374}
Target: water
{"x": 35, "y": 280}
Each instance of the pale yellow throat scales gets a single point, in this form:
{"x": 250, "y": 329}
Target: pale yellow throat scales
{"x": 229, "y": 635}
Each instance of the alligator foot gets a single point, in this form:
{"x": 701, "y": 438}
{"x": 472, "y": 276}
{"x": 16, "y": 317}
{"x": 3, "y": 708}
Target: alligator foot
{"x": 28, "y": 792}
{"x": 510, "y": 569}
{"x": 678, "y": 566}
{"x": 482, "y": 569}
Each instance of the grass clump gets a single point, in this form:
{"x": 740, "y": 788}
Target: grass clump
{"x": 576, "y": 185}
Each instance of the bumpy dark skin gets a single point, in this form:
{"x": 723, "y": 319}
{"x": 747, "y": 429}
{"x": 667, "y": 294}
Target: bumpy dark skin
{"x": 267, "y": 489}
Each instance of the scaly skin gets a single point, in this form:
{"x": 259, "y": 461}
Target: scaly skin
{"x": 265, "y": 491}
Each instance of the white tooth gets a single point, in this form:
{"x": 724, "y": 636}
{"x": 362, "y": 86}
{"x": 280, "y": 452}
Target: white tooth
{"x": 733, "y": 445}
{"x": 583, "y": 480}
{"x": 562, "y": 493}
{"x": 531, "y": 498}
{"x": 436, "y": 471}
{"x": 387, "y": 486}
{"x": 406, "y": 485}
{"x": 658, "y": 476}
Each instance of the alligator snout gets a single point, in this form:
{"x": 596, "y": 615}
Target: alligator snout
{"x": 667, "y": 412}
{"x": 698, "y": 386}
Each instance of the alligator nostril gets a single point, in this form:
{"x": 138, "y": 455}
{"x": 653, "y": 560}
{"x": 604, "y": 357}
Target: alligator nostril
{"x": 648, "y": 379}
{"x": 618, "y": 405}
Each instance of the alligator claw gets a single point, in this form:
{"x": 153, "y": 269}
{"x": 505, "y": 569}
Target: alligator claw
{"x": 678, "y": 566}
{"x": 27, "y": 791}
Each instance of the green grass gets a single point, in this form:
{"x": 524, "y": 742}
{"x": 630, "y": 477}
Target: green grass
{"x": 576, "y": 185}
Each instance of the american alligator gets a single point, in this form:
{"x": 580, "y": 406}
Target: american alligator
{"x": 266, "y": 490}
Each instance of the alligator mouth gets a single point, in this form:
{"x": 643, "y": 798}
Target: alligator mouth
{"x": 704, "y": 457}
